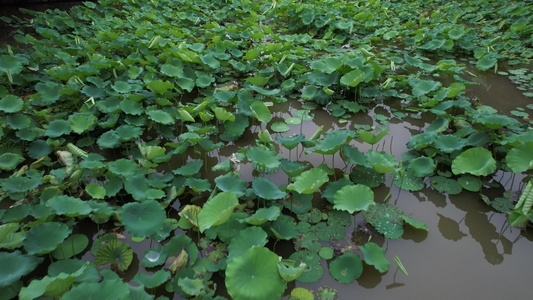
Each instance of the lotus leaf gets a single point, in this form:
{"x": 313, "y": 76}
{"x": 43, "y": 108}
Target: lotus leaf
{"x": 81, "y": 122}
{"x": 354, "y": 156}
{"x": 198, "y": 185}
{"x": 494, "y": 121}
{"x": 382, "y": 162}
{"x": 310, "y": 181}
{"x": 290, "y": 142}
{"x": 422, "y": 140}
{"x": 486, "y": 62}
{"x": 423, "y": 87}
{"x": 367, "y": 176}
{"x": 263, "y": 158}
{"x": 254, "y": 275}
{"x": 415, "y": 223}
{"x": 261, "y": 112}
{"x": 279, "y": 127}
{"x": 352, "y": 78}
{"x": 57, "y": 128}
{"x": 11, "y": 104}
{"x": 99, "y": 290}
{"x": 520, "y": 158}
{"x": 470, "y": 183}
{"x": 110, "y": 139}
{"x": 386, "y": 218}
{"x": 69, "y": 206}
{"x": 369, "y": 137}
{"x": 154, "y": 257}
{"x": 9, "y": 161}
{"x": 114, "y": 252}
{"x": 128, "y": 132}
{"x": 476, "y": 161}
{"x": 326, "y": 253}
{"x": 333, "y": 141}
{"x": 124, "y": 167}
{"x": 217, "y": 210}
{"x": 408, "y": 181}
{"x": 154, "y": 280}
{"x": 161, "y": 117}
{"x": 284, "y": 228}
{"x": 71, "y": 266}
{"x": 448, "y": 143}
{"x": 50, "y": 286}
{"x": 346, "y": 268}
{"x": 190, "y": 168}
{"x": 179, "y": 244}
{"x": 263, "y": 215}
{"x": 231, "y": 183}
{"x": 266, "y": 189}
{"x": 352, "y": 198}
{"x": 246, "y": 239}
{"x": 73, "y": 245}
{"x": 313, "y": 270}
{"x": 143, "y": 219}
{"x": 289, "y": 271}
{"x": 299, "y": 203}
{"x": 421, "y": 166}
{"x": 46, "y": 237}
{"x": 15, "y": 265}
{"x": 374, "y": 255}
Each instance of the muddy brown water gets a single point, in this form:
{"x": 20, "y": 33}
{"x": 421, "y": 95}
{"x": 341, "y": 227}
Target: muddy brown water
{"x": 469, "y": 251}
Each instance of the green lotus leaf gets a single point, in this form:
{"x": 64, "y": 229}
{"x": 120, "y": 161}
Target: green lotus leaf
{"x": 456, "y": 32}
{"x": 44, "y": 238}
{"x": 475, "y": 161}
{"x": 438, "y": 126}
{"x": 16, "y": 213}
{"x": 494, "y": 121}
{"x": 289, "y": 271}
{"x": 131, "y": 107}
{"x": 217, "y": 210}
{"x": 124, "y": 167}
{"x": 254, "y": 275}
{"x": 21, "y": 184}
{"x": 352, "y": 78}
{"x": 114, "y": 252}
{"x": 261, "y": 112}
{"x": 235, "y": 129}
{"x": 367, "y": 176}
{"x": 486, "y": 62}
{"x": 99, "y": 290}
{"x": 154, "y": 257}
{"x": 381, "y": 161}
{"x": 159, "y": 86}
{"x": 258, "y": 80}
{"x": 310, "y": 181}
{"x": 223, "y": 115}
{"x": 374, "y": 255}
{"x": 190, "y": 168}
{"x": 128, "y": 132}
{"x": 57, "y": 128}
{"x": 268, "y": 93}
{"x": 143, "y": 219}
{"x": 19, "y": 121}
{"x": 326, "y": 253}
{"x": 109, "y": 139}
{"x": 246, "y": 239}
{"x": 11, "y": 104}
{"x": 266, "y": 189}
{"x": 38, "y": 149}
{"x": 204, "y": 80}
{"x": 422, "y": 140}
{"x": 160, "y": 116}
{"x": 263, "y": 215}
{"x": 354, "y": 156}
{"x": 333, "y": 141}
{"x": 313, "y": 270}
{"x": 290, "y": 142}
{"x": 50, "y": 286}
{"x": 448, "y": 185}
{"x": 69, "y": 206}
{"x": 73, "y": 245}
{"x": 154, "y": 280}
{"x": 386, "y": 218}
{"x": 72, "y": 266}
{"x": 346, "y": 268}
{"x": 284, "y": 228}
{"x": 408, "y": 181}
{"x": 15, "y": 265}
{"x": 423, "y": 87}
{"x": 470, "y": 183}
{"x": 280, "y": 127}
{"x": 352, "y": 198}
{"x": 81, "y": 122}
{"x": 182, "y": 242}
{"x": 421, "y": 166}
{"x": 293, "y": 168}
{"x": 448, "y": 143}
{"x": 415, "y": 223}
{"x": 301, "y": 293}
{"x": 520, "y": 158}
{"x": 231, "y": 183}
{"x": 9, "y": 161}
{"x": 299, "y": 203}
{"x": 369, "y": 137}
{"x": 198, "y": 185}
{"x": 10, "y": 65}
{"x": 263, "y": 158}
{"x": 310, "y": 92}
{"x": 333, "y": 187}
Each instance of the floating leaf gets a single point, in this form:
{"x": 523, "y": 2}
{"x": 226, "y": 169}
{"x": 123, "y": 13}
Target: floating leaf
{"x": 217, "y": 210}
{"x": 421, "y": 166}
{"x": 486, "y": 62}
{"x": 313, "y": 270}
{"x": 386, "y": 218}
{"x": 448, "y": 185}
{"x": 11, "y": 104}
{"x": 143, "y": 219}
{"x": 346, "y": 268}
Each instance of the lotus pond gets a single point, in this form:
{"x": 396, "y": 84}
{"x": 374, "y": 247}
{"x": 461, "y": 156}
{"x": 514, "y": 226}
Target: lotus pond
{"x": 258, "y": 150}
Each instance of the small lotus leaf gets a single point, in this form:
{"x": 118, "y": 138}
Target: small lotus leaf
{"x": 279, "y": 127}
{"x": 470, "y": 183}
{"x": 475, "y": 161}
{"x": 96, "y": 191}
{"x": 367, "y": 176}
{"x": 374, "y": 255}
{"x": 266, "y": 189}
{"x": 310, "y": 181}
{"x": 415, "y": 223}
{"x": 289, "y": 271}
{"x": 154, "y": 257}
{"x": 11, "y": 104}
{"x": 369, "y": 137}
{"x": 190, "y": 168}
{"x": 326, "y": 253}
{"x": 246, "y": 239}
{"x": 143, "y": 219}
{"x": 421, "y": 166}
{"x": 217, "y": 210}
{"x": 352, "y": 198}
{"x": 161, "y": 117}
{"x": 15, "y": 265}
{"x": 44, "y": 238}
{"x": 231, "y": 183}
{"x": 154, "y": 280}
{"x": 264, "y": 158}
{"x": 346, "y": 268}
{"x": 448, "y": 185}
{"x": 9, "y": 161}
{"x": 263, "y": 215}
{"x": 386, "y": 218}
{"x": 520, "y": 158}
{"x": 38, "y": 149}
{"x": 408, "y": 181}
{"x": 313, "y": 270}
{"x": 254, "y": 275}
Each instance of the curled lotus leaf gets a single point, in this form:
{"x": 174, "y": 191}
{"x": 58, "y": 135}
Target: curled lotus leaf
{"x": 266, "y": 189}
{"x": 352, "y": 198}
{"x": 476, "y": 161}
{"x": 310, "y": 181}
{"x": 374, "y": 255}
{"x": 217, "y": 210}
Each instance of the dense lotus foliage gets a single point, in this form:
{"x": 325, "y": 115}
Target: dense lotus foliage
{"x": 111, "y": 114}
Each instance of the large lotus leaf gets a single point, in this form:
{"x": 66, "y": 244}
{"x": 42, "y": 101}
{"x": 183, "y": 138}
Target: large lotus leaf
{"x": 73, "y": 245}
{"x": 217, "y": 210}
{"x": 354, "y": 156}
{"x": 346, "y": 268}
{"x": 124, "y": 167}
{"x": 284, "y": 228}
{"x": 381, "y": 161}
{"x": 233, "y": 130}
{"x": 520, "y": 158}
{"x": 261, "y": 112}
{"x": 11, "y": 104}
{"x": 81, "y": 122}
{"x": 352, "y": 78}
{"x": 231, "y": 183}
{"x": 448, "y": 143}
{"x": 9, "y": 161}
{"x": 254, "y": 275}
{"x": 154, "y": 257}
{"x": 114, "y": 252}
{"x": 15, "y": 265}
{"x": 246, "y": 239}
{"x": 131, "y": 107}
{"x": 190, "y": 168}
{"x": 21, "y": 184}
{"x": 293, "y": 168}
{"x": 263, "y": 215}
{"x": 154, "y": 280}
{"x": 266, "y": 189}
{"x": 438, "y": 126}
{"x": 50, "y": 285}
{"x": 423, "y": 87}
{"x": 367, "y": 176}
{"x": 73, "y": 265}
{"x": 69, "y": 206}
{"x": 374, "y": 255}
{"x": 128, "y": 132}
{"x": 475, "y": 161}
{"x": 95, "y": 190}
{"x": 421, "y": 166}
{"x": 44, "y": 238}
{"x": 352, "y": 198}
{"x": 10, "y": 64}
{"x": 99, "y": 290}
{"x": 38, "y": 149}
{"x": 57, "y": 128}
{"x": 313, "y": 270}
{"x": 386, "y": 218}
{"x": 421, "y": 140}
{"x": 494, "y": 121}
{"x": 486, "y": 62}
{"x": 333, "y": 141}
{"x": 310, "y": 181}
{"x": 290, "y": 142}
{"x": 263, "y": 158}
{"x": 48, "y": 92}
{"x": 110, "y": 139}
{"x": 333, "y": 187}
{"x": 448, "y": 185}
{"x": 161, "y": 117}
{"x": 369, "y": 137}
{"x": 143, "y": 219}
